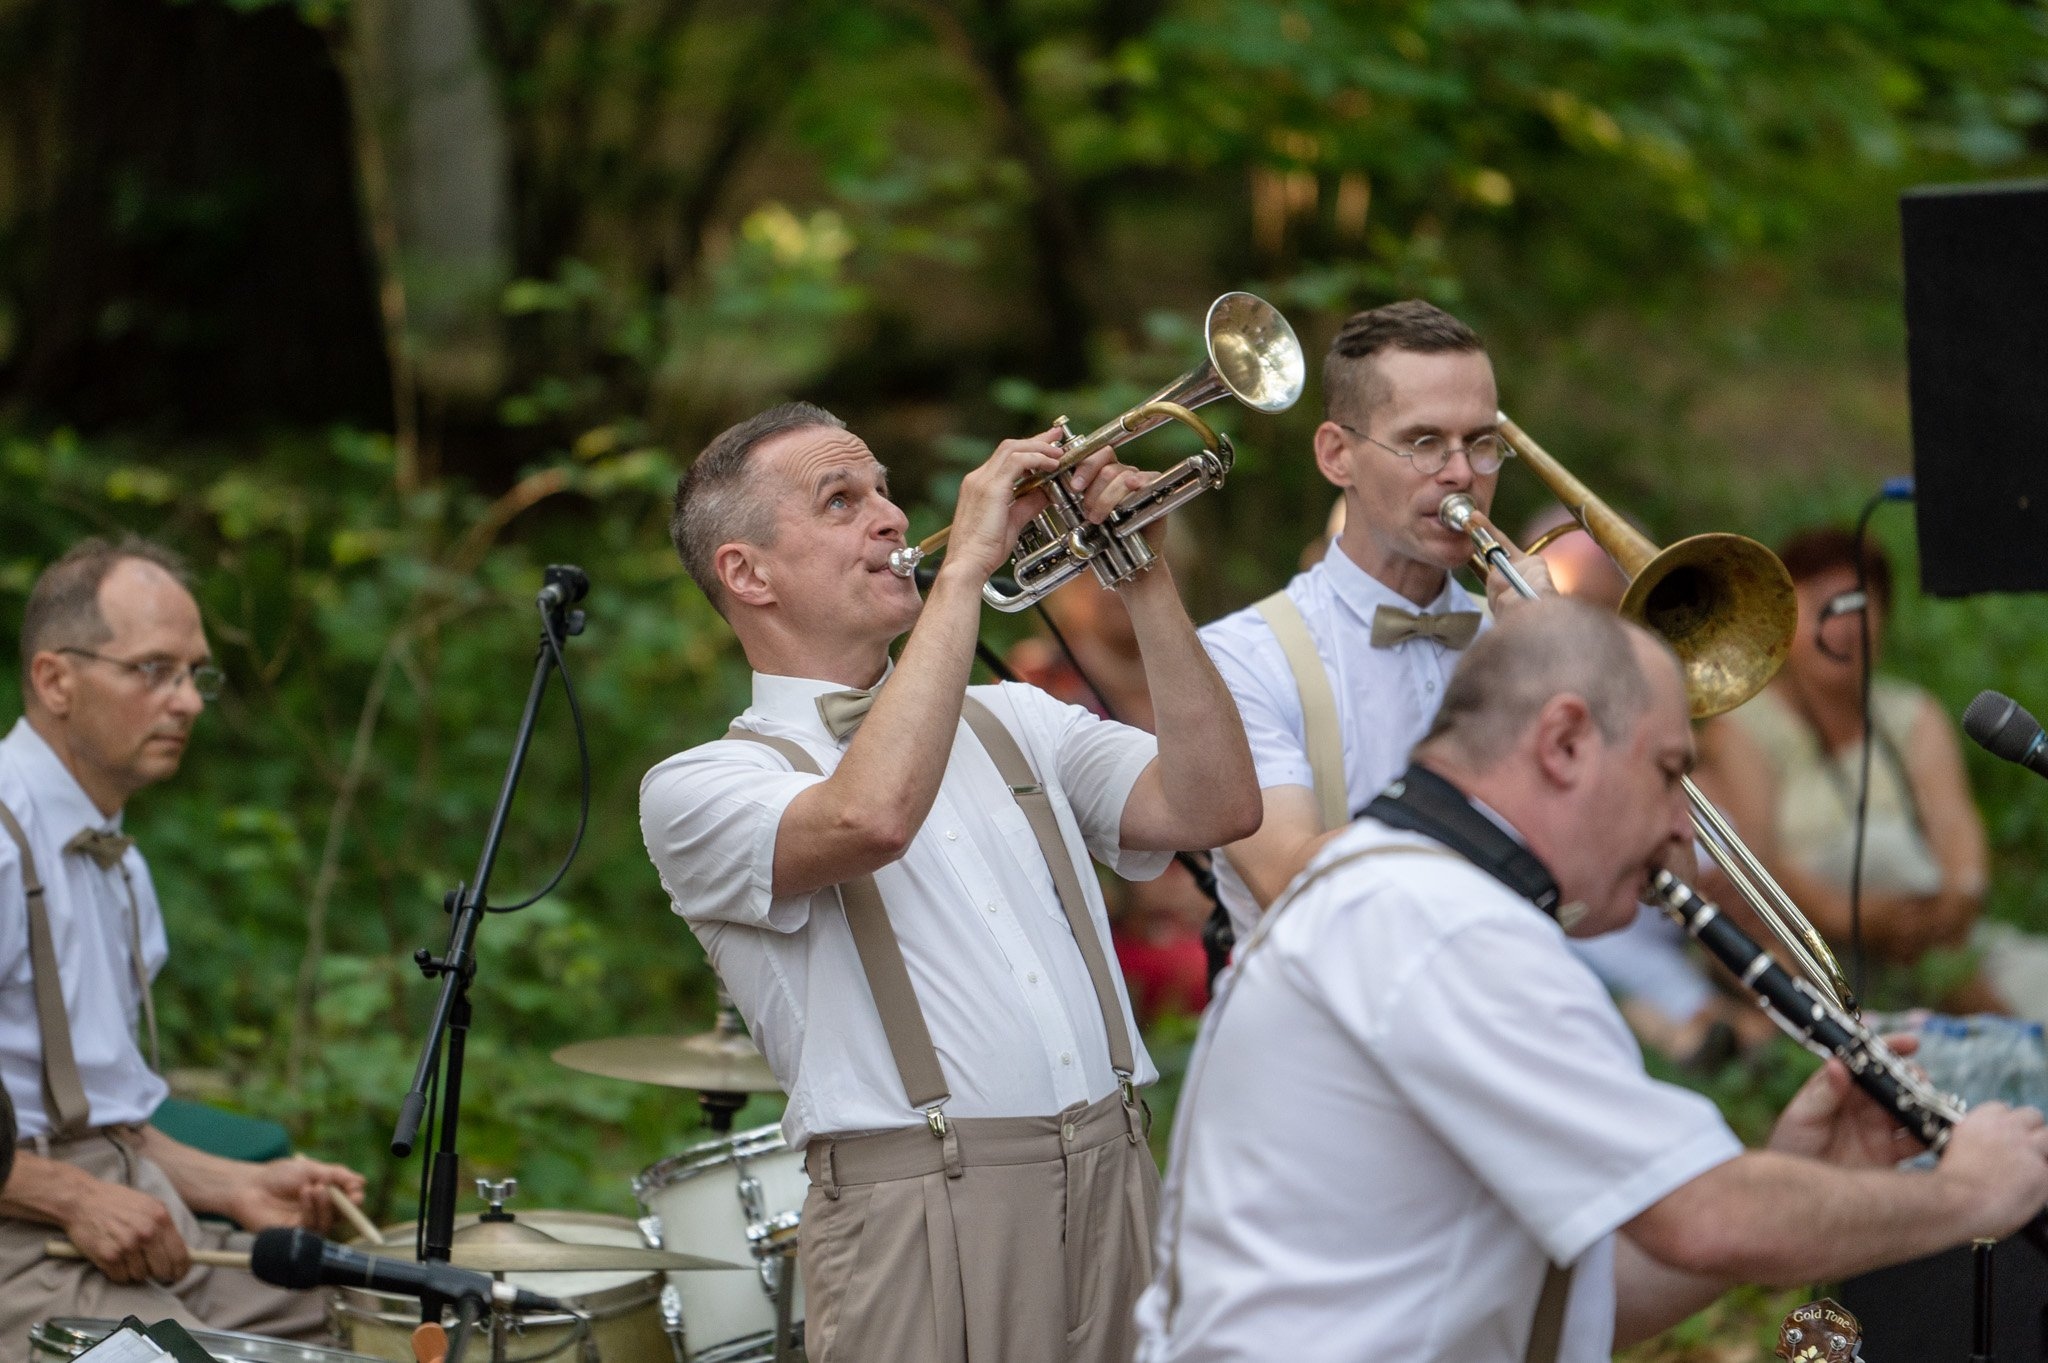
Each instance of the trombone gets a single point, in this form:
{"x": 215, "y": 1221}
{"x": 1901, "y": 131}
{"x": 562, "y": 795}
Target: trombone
{"x": 1253, "y": 357}
{"x": 1725, "y": 605}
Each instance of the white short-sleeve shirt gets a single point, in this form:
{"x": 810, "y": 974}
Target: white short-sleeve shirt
{"x": 1386, "y": 697}
{"x": 1002, "y": 983}
{"x": 1411, "y": 1099}
{"x": 89, "y": 926}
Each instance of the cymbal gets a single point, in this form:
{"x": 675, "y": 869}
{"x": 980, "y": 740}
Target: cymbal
{"x": 711, "y": 1062}
{"x": 558, "y": 1257}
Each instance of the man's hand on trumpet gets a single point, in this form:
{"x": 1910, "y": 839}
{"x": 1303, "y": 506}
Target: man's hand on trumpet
{"x": 1104, "y": 484}
{"x": 989, "y": 514}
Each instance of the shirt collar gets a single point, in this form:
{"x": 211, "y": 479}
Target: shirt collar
{"x": 794, "y": 700}
{"x": 58, "y": 797}
{"x": 1362, "y": 593}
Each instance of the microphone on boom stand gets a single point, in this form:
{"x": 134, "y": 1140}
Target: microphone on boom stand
{"x": 2002, "y": 727}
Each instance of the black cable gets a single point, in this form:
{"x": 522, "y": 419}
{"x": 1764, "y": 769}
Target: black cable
{"x": 1856, "y": 971}
{"x": 547, "y": 626}
{"x": 1196, "y": 866}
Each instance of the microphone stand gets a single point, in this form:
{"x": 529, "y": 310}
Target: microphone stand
{"x": 456, "y": 966}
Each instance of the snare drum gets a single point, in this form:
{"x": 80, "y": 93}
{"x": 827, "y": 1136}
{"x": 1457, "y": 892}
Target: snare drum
{"x": 69, "y": 1336}
{"x": 732, "y": 1198}
{"x": 624, "y": 1307}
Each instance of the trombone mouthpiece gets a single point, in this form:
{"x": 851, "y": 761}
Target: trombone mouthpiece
{"x": 903, "y": 562}
{"x": 1455, "y": 512}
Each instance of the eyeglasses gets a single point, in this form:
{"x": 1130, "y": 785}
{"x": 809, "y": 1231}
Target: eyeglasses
{"x": 1429, "y": 453}
{"x": 163, "y": 674}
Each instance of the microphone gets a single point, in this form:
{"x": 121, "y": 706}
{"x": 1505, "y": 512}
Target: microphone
{"x": 562, "y": 586}
{"x": 1998, "y": 725}
{"x": 291, "y": 1257}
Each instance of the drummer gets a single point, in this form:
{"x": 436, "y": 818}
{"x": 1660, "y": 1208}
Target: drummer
{"x": 115, "y": 672}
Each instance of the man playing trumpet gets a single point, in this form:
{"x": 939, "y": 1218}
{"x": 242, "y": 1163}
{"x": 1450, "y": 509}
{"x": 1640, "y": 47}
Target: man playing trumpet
{"x": 888, "y": 869}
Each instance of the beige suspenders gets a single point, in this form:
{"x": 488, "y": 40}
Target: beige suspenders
{"x": 63, "y": 1090}
{"x": 1318, "y": 706}
{"x": 881, "y": 959}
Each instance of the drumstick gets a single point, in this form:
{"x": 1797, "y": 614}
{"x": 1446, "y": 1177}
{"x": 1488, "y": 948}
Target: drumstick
{"x": 207, "y": 1258}
{"x": 353, "y": 1214}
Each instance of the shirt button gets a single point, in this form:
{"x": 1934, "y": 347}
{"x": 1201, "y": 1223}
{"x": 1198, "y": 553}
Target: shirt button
{"x": 1032, "y": 978}
{"x": 990, "y": 906}
{"x": 1427, "y": 686}
{"x": 952, "y": 835}
{"x": 1066, "y": 1057}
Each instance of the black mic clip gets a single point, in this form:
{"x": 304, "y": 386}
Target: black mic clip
{"x": 562, "y": 586}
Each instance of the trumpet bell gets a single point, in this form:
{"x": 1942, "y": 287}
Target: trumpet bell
{"x": 1725, "y": 605}
{"x": 1254, "y": 354}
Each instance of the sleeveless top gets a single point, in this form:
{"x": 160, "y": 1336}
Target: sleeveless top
{"x": 1816, "y": 811}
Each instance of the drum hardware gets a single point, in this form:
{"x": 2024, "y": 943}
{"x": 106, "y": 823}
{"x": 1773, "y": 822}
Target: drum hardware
{"x": 1253, "y": 356}
{"x": 1725, "y": 605}
{"x": 598, "y": 1265}
{"x": 495, "y": 1195}
{"x": 689, "y": 1205}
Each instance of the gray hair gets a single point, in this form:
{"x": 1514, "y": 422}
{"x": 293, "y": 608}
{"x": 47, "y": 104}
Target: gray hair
{"x": 1353, "y": 387}
{"x": 64, "y": 605}
{"x": 714, "y": 501}
{"x": 1545, "y": 649}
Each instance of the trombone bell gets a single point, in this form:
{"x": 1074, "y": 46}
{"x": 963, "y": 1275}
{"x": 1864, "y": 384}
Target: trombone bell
{"x": 1725, "y": 605}
{"x": 1723, "y": 602}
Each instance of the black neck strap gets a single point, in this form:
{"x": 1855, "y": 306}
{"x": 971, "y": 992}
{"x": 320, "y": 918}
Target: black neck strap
{"x": 1422, "y": 802}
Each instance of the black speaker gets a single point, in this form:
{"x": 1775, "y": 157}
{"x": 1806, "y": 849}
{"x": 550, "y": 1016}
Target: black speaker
{"x": 1925, "y": 1310}
{"x": 1977, "y": 355}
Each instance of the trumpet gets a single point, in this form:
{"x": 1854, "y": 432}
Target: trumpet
{"x": 1725, "y": 605}
{"x": 1253, "y": 356}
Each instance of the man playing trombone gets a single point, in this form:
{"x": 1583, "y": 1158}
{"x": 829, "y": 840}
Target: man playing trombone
{"x": 888, "y": 869}
{"x": 1416, "y": 1127}
{"x": 1339, "y": 674}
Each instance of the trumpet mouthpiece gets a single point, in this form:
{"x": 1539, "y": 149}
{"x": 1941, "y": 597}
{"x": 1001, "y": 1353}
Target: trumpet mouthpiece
{"x": 903, "y": 562}
{"x": 1456, "y": 512}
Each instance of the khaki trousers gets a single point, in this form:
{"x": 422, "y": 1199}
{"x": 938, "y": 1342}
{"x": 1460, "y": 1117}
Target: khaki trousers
{"x": 1033, "y": 1250}
{"x": 35, "y": 1288}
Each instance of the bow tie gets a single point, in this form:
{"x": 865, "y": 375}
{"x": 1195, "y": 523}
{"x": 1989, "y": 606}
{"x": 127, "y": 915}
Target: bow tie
{"x": 102, "y": 846}
{"x": 842, "y": 711}
{"x": 1453, "y": 629}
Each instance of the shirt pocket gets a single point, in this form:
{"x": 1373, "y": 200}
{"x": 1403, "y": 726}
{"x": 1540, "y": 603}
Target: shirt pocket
{"x": 1029, "y": 874}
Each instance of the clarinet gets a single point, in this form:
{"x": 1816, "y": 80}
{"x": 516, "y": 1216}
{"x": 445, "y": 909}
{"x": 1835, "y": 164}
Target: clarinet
{"x": 1921, "y": 1108}
{"x": 1794, "y": 1005}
